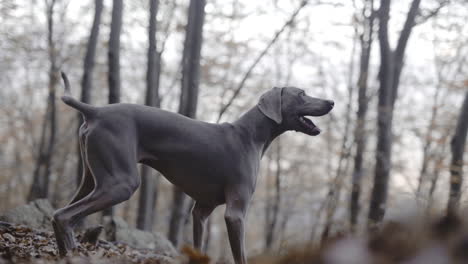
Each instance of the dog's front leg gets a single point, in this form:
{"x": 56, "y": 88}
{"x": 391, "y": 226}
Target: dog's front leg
{"x": 237, "y": 202}
{"x": 200, "y": 213}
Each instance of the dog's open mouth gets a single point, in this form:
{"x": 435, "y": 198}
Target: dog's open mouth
{"x": 309, "y": 126}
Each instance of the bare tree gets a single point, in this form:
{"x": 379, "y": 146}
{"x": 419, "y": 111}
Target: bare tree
{"x": 88, "y": 66}
{"x": 149, "y": 183}
{"x": 439, "y": 157}
{"x": 41, "y": 176}
{"x": 365, "y": 40}
{"x": 391, "y": 65}
{"x": 114, "y": 52}
{"x": 114, "y": 61}
{"x": 188, "y": 98}
{"x": 428, "y": 137}
{"x": 458, "y": 147}
{"x": 334, "y": 191}
{"x": 273, "y": 205}
{"x": 435, "y": 148}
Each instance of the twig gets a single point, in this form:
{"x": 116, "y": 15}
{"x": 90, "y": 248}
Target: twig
{"x": 423, "y": 18}
{"x": 257, "y": 60}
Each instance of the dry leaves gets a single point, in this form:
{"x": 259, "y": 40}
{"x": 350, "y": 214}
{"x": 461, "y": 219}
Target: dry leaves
{"x": 21, "y": 244}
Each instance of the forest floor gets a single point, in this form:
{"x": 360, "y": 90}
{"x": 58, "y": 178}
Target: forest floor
{"x": 21, "y": 244}
{"x": 443, "y": 241}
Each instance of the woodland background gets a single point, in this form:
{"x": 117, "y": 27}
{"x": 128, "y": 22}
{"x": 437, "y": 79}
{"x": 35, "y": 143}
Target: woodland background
{"x": 392, "y": 147}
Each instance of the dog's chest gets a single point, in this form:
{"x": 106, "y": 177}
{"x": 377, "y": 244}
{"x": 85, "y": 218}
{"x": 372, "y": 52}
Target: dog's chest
{"x": 205, "y": 178}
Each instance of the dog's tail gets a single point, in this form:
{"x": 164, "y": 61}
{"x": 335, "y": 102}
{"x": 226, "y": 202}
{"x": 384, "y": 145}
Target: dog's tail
{"x": 86, "y": 109}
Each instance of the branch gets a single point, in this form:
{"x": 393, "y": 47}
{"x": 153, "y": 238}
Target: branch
{"x": 383, "y": 16}
{"x": 166, "y": 28}
{"x": 257, "y": 60}
{"x": 406, "y": 31}
{"x": 423, "y": 18}
{"x": 401, "y": 47}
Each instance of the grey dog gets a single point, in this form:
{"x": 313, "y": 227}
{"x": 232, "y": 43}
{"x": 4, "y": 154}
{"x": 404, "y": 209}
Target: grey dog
{"x": 212, "y": 163}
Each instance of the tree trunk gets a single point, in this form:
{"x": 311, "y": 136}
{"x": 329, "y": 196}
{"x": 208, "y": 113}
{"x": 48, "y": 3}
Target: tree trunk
{"x": 458, "y": 147}
{"x": 334, "y": 191}
{"x": 149, "y": 182}
{"x": 207, "y": 241}
{"x": 427, "y": 148}
{"x": 275, "y": 203}
{"x": 87, "y": 79}
{"x": 188, "y": 99}
{"x": 114, "y": 52}
{"x": 365, "y": 39}
{"x": 40, "y": 185}
{"x": 114, "y": 62}
{"x": 439, "y": 157}
{"x": 147, "y": 199}
{"x": 391, "y": 64}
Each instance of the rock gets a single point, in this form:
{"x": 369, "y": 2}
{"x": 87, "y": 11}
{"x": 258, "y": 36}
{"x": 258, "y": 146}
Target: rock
{"x": 34, "y": 246}
{"x": 35, "y": 214}
{"x": 91, "y": 235}
{"x": 9, "y": 237}
{"x": 119, "y": 231}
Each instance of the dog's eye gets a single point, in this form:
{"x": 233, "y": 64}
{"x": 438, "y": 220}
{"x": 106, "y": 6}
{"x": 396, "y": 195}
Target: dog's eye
{"x": 302, "y": 93}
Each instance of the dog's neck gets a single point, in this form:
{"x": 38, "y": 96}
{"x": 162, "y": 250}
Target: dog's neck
{"x": 262, "y": 129}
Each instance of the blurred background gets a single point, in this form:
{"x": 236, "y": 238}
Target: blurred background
{"x": 397, "y": 71}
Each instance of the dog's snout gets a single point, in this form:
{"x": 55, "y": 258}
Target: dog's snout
{"x": 331, "y": 103}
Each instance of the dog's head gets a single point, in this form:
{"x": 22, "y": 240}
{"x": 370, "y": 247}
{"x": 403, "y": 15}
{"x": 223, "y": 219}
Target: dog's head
{"x": 289, "y": 106}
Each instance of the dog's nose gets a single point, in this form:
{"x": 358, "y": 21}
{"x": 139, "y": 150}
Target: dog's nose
{"x": 331, "y": 103}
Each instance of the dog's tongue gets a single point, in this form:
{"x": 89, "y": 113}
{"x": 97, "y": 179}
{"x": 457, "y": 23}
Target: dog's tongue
{"x": 314, "y": 130}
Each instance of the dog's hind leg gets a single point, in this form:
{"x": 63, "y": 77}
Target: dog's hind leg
{"x": 116, "y": 179}
{"x": 87, "y": 180}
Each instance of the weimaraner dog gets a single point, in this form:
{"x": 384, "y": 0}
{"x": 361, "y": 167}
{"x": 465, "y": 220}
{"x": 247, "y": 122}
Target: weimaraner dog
{"x": 212, "y": 163}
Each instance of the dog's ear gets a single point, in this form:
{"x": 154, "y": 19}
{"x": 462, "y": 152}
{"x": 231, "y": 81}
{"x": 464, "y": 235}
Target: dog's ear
{"x": 270, "y": 104}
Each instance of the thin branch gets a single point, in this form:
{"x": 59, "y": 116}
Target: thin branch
{"x": 259, "y": 58}
{"x": 407, "y": 28}
{"x": 423, "y": 18}
{"x": 399, "y": 52}
{"x": 167, "y": 26}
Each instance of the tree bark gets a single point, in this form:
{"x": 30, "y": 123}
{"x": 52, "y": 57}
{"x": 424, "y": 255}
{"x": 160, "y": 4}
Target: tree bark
{"x": 41, "y": 176}
{"x": 391, "y": 64}
{"x": 207, "y": 241}
{"x": 272, "y": 222}
{"x": 457, "y": 146}
{"x": 149, "y": 182}
{"x": 87, "y": 79}
{"x": 114, "y": 62}
{"x": 365, "y": 39}
{"x": 188, "y": 100}
{"x": 114, "y": 52}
